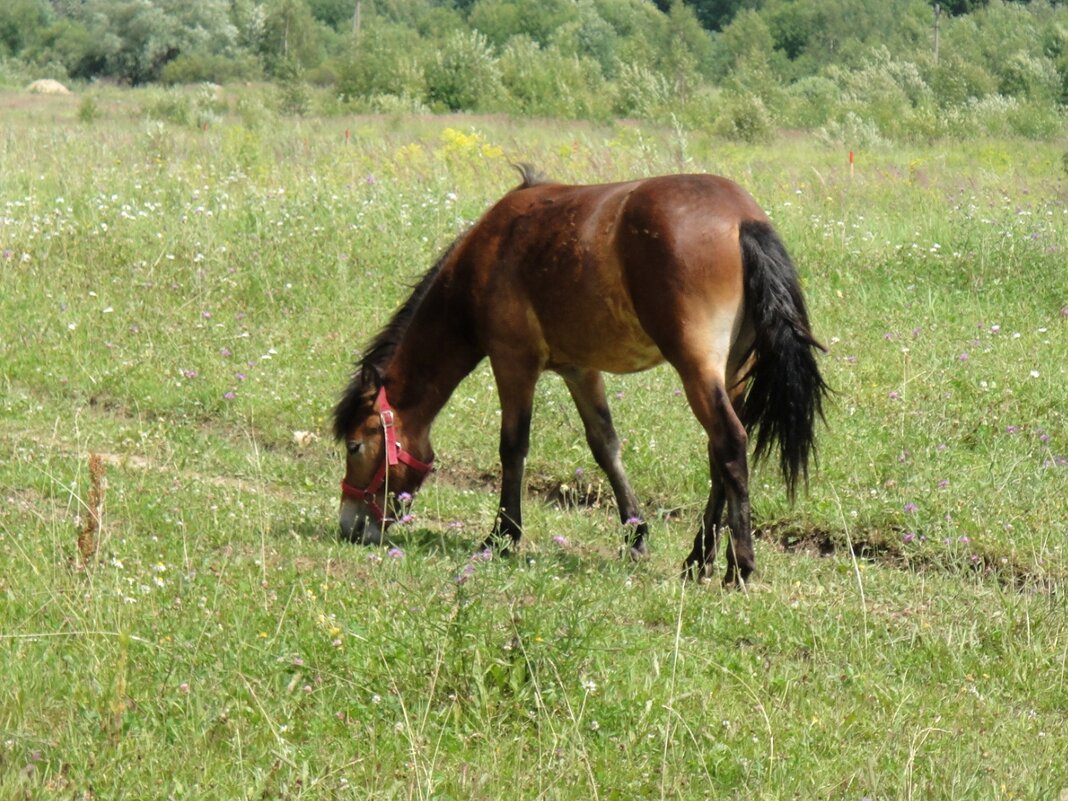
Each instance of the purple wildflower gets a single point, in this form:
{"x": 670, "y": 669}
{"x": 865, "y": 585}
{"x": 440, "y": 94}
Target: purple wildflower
{"x": 1012, "y": 429}
{"x": 466, "y": 573}
{"x": 395, "y": 553}
{"x": 910, "y": 507}
{"x": 963, "y": 357}
{"x": 560, "y": 540}
{"x": 634, "y": 521}
{"x": 893, "y": 395}
{"x": 943, "y": 483}
{"x": 229, "y": 395}
{"x": 190, "y": 374}
{"x": 226, "y": 353}
{"x": 909, "y": 536}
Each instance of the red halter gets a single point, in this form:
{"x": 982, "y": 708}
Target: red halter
{"x": 394, "y": 454}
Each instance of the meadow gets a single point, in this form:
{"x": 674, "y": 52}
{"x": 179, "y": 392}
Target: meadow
{"x": 185, "y": 301}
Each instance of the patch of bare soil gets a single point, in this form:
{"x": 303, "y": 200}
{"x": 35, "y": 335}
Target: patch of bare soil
{"x": 880, "y": 548}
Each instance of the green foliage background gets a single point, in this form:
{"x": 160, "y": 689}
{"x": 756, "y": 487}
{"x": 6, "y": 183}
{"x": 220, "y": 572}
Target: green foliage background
{"x": 859, "y": 71}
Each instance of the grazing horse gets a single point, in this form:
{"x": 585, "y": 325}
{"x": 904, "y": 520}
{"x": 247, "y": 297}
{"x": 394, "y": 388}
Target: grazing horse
{"x": 580, "y": 280}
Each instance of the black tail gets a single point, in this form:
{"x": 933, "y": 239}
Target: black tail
{"x": 786, "y": 390}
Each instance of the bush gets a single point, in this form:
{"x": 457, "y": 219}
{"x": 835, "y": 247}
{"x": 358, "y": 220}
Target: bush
{"x": 88, "y": 110}
{"x": 548, "y": 83}
{"x": 641, "y": 92}
{"x": 387, "y": 60}
{"x": 168, "y": 106}
{"x": 1030, "y": 77}
{"x": 1036, "y": 121}
{"x": 396, "y": 104}
{"x": 209, "y": 68}
{"x": 854, "y": 132}
{"x": 955, "y": 81}
{"x": 811, "y": 102}
{"x": 744, "y": 118}
{"x": 464, "y": 76}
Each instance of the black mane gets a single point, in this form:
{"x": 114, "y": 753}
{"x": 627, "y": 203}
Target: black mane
{"x": 367, "y": 377}
{"x": 530, "y": 174}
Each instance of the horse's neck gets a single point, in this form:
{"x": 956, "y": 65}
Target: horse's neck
{"x": 432, "y": 358}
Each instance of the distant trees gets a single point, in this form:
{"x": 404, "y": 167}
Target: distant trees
{"x": 742, "y": 66}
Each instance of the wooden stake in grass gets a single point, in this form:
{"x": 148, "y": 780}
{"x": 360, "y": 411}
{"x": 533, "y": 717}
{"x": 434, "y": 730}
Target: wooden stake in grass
{"x": 87, "y": 537}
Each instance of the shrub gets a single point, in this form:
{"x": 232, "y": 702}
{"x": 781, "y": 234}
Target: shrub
{"x": 853, "y": 131}
{"x": 1036, "y": 121}
{"x": 88, "y": 110}
{"x": 396, "y": 104}
{"x": 168, "y": 105}
{"x": 954, "y": 81}
{"x": 464, "y": 76}
{"x": 549, "y": 83}
{"x": 641, "y": 92}
{"x": 210, "y": 68}
{"x": 387, "y": 60}
{"x": 744, "y": 118}
{"x": 1030, "y": 77}
{"x": 811, "y": 102}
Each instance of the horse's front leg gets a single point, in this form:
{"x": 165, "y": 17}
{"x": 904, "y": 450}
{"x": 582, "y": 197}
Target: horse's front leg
{"x": 517, "y": 399}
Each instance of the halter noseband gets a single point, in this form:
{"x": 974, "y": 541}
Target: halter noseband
{"x": 394, "y": 454}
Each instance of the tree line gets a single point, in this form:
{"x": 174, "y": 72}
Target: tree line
{"x": 879, "y": 68}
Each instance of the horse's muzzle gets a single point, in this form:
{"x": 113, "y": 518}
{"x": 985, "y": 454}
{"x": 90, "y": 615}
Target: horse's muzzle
{"x": 357, "y": 524}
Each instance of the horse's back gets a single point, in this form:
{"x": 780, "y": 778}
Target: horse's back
{"x": 606, "y": 276}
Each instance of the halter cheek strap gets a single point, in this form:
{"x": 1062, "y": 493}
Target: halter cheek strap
{"x": 394, "y": 454}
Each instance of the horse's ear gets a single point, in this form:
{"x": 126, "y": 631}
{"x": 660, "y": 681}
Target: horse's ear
{"x": 370, "y": 379}
{"x": 357, "y": 399}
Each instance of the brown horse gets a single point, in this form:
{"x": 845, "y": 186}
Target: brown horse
{"x": 579, "y": 280}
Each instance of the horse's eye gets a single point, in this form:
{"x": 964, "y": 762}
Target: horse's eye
{"x": 354, "y": 447}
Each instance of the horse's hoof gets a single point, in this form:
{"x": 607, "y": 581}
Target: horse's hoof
{"x": 734, "y": 581}
{"x": 693, "y": 570}
{"x": 638, "y": 552}
{"x": 501, "y": 544}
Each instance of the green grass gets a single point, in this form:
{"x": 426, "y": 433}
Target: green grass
{"x": 183, "y": 301}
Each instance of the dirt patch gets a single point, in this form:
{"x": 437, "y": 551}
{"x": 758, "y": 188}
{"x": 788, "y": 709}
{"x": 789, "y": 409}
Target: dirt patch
{"x": 881, "y": 548}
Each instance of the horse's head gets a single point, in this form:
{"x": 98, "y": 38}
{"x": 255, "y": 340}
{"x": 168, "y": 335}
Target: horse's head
{"x": 381, "y": 474}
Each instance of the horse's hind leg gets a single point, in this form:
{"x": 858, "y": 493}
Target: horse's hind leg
{"x": 698, "y": 564}
{"x": 728, "y": 465}
{"x": 587, "y": 390}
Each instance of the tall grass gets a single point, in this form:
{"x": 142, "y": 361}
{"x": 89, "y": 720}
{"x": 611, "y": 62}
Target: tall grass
{"x": 186, "y": 303}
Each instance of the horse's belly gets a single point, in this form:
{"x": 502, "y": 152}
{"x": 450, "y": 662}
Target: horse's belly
{"x": 602, "y": 342}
